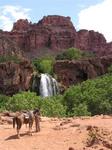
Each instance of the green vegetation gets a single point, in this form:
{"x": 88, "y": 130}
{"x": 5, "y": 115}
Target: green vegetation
{"x": 88, "y": 98}
{"x": 51, "y": 106}
{"x": 110, "y": 69}
{"x": 6, "y": 58}
{"x": 74, "y": 53}
{"x": 44, "y": 64}
{"x": 94, "y": 95}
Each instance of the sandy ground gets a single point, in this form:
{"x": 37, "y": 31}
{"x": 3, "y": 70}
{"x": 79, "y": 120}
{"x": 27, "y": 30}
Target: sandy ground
{"x": 84, "y": 133}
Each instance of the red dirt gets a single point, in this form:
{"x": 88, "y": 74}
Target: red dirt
{"x": 61, "y": 134}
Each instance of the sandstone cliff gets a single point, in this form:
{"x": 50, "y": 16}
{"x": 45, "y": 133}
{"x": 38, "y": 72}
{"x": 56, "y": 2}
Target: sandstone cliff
{"x": 53, "y": 34}
{"x": 73, "y": 72}
{"x": 15, "y": 77}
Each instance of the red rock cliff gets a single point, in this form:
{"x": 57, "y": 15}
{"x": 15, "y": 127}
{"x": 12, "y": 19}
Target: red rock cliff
{"x": 73, "y": 72}
{"x": 15, "y": 77}
{"x": 55, "y": 33}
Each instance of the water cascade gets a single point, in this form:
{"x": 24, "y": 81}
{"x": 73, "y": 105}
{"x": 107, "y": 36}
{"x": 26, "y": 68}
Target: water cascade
{"x": 48, "y": 86}
{"x": 44, "y": 85}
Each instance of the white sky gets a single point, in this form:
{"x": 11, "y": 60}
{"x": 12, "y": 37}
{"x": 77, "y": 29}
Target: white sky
{"x": 9, "y": 14}
{"x": 98, "y": 18}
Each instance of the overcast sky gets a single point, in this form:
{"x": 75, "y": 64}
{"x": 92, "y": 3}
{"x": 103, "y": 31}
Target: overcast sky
{"x": 85, "y": 14}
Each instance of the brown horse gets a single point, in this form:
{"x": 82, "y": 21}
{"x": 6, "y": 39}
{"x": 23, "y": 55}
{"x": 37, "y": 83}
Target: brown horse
{"x": 27, "y": 118}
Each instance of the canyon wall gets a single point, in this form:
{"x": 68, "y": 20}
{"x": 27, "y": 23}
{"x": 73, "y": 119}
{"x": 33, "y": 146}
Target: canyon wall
{"x": 15, "y": 77}
{"x": 53, "y": 34}
{"x": 73, "y": 72}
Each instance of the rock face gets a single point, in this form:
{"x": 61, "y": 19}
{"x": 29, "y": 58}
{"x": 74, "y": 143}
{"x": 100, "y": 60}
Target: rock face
{"x": 53, "y": 34}
{"x": 50, "y": 35}
{"x": 15, "y": 77}
{"x": 92, "y": 41}
{"x": 73, "y": 72}
{"x": 8, "y": 46}
{"x": 21, "y": 25}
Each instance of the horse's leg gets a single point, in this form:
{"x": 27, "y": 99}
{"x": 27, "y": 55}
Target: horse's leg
{"x": 30, "y": 126}
{"x": 18, "y": 135}
{"x": 19, "y": 124}
{"x": 37, "y": 123}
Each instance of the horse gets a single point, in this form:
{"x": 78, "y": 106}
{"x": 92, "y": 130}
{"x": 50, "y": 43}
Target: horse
{"x": 27, "y": 117}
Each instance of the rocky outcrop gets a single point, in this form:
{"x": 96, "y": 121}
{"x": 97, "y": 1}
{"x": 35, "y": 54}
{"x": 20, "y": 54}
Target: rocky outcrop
{"x": 91, "y": 41}
{"x": 8, "y": 46}
{"x": 15, "y": 77}
{"x": 21, "y": 25}
{"x": 73, "y": 72}
{"x": 53, "y": 34}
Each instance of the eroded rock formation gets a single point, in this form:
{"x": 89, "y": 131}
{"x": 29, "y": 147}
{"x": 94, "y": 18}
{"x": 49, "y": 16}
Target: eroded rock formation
{"x": 73, "y": 72}
{"x": 91, "y": 41}
{"x": 15, "y": 77}
{"x": 53, "y": 34}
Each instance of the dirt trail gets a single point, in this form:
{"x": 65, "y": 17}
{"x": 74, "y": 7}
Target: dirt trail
{"x": 60, "y": 134}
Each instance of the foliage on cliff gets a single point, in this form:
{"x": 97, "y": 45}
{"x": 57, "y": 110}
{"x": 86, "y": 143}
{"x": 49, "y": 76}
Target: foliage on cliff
{"x": 44, "y": 64}
{"x": 6, "y": 58}
{"x": 74, "y": 53}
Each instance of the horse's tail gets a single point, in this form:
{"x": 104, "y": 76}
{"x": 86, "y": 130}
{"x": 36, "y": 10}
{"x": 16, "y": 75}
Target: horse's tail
{"x": 14, "y": 122}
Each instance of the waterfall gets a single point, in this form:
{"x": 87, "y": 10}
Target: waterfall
{"x": 48, "y": 86}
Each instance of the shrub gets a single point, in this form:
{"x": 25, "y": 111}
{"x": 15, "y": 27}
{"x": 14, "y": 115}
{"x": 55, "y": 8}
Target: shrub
{"x": 94, "y": 95}
{"x": 74, "y": 102}
{"x": 6, "y": 58}
{"x": 110, "y": 69}
{"x": 74, "y": 53}
{"x": 44, "y": 65}
{"x": 23, "y": 101}
{"x": 3, "y": 102}
{"x": 53, "y": 107}
{"x": 71, "y": 53}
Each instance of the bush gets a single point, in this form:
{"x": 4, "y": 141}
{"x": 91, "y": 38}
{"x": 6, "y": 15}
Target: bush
{"x": 53, "y": 107}
{"x": 23, "y": 101}
{"x": 3, "y": 102}
{"x": 110, "y": 69}
{"x": 94, "y": 95}
{"x": 74, "y": 53}
{"x": 74, "y": 102}
{"x": 6, "y": 58}
{"x": 44, "y": 65}
{"x": 71, "y": 53}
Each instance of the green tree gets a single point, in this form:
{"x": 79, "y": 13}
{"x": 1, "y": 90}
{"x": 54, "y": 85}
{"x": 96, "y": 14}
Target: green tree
{"x": 23, "y": 101}
{"x": 95, "y": 95}
{"x": 53, "y": 107}
{"x": 71, "y": 53}
{"x": 44, "y": 65}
